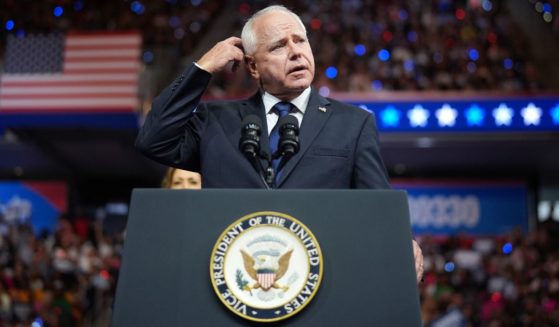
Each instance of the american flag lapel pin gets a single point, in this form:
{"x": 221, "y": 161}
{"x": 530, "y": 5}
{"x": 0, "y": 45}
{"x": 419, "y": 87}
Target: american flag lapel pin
{"x": 323, "y": 109}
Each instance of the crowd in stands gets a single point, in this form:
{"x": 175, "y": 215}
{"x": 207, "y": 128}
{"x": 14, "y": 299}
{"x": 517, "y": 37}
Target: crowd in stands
{"x": 64, "y": 279}
{"x": 359, "y": 45}
{"x": 511, "y": 280}
{"x": 69, "y": 278}
{"x": 172, "y": 23}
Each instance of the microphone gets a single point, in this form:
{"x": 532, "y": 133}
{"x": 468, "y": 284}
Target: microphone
{"x": 249, "y": 144}
{"x": 288, "y": 146}
{"x": 289, "y": 136}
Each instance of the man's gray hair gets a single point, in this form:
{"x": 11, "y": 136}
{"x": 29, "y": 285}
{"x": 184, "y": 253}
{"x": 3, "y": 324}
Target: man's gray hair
{"x": 248, "y": 36}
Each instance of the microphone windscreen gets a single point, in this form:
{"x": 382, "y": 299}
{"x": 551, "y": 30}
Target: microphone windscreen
{"x": 289, "y": 120}
{"x": 252, "y": 120}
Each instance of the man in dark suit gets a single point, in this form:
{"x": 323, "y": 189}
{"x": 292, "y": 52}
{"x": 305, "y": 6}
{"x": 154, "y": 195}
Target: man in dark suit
{"x": 338, "y": 142}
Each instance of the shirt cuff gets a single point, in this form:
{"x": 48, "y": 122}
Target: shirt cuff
{"x": 200, "y": 67}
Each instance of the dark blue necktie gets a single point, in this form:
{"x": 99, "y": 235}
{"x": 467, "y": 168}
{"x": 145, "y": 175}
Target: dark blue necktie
{"x": 282, "y": 109}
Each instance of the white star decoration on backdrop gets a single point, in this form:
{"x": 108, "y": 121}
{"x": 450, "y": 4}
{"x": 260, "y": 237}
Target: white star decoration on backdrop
{"x": 418, "y": 116}
{"x": 503, "y": 115}
{"x": 531, "y": 114}
{"x": 446, "y": 115}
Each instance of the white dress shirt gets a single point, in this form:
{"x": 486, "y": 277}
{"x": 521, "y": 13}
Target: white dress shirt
{"x": 299, "y": 102}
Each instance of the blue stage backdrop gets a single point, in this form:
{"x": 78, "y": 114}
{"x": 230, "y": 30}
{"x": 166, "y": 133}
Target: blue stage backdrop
{"x": 464, "y": 113}
{"x": 474, "y": 208}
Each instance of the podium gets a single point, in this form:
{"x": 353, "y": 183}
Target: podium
{"x": 368, "y": 276}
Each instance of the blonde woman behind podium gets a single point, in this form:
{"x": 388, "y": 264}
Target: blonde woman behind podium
{"x": 178, "y": 179}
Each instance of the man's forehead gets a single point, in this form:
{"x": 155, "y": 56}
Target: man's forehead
{"x": 280, "y": 34}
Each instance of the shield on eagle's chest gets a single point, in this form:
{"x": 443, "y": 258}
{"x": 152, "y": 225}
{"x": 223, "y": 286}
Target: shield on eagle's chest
{"x": 266, "y": 278}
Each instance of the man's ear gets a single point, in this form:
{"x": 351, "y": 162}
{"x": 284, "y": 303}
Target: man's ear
{"x": 251, "y": 66}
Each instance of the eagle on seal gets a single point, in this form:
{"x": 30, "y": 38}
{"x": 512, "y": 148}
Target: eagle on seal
{"x": 266, "y": 270}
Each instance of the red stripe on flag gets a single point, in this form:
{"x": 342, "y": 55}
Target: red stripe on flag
{"x": 116, "y": 70}
{"x": 81, "y": 111}
{"x": 69, "y": 96}
{"x": 94, "y": 47}
{"x": 90, "y": 59}
{"x": 85, "y": 34}
{"x": 26, "y": 84}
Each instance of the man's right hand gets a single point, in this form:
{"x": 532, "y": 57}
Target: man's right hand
{"x": 222, "y": 54}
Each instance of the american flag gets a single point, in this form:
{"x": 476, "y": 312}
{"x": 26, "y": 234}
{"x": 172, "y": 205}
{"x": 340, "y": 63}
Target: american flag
{"x": 75, "y": 72}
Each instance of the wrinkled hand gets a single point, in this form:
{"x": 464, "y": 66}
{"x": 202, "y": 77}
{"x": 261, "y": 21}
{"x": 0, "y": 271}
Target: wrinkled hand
{"x": 224, "y": 52}
{"x": 418, "y": 257}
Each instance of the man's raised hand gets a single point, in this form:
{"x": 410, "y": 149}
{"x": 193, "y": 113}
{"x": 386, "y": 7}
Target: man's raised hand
{"x": 224, "y": 52}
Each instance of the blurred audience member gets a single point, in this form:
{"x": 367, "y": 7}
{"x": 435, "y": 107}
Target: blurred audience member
{"x": 177, "y": 179}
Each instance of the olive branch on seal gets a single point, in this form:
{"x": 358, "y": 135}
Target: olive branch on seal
{"x": 242, "y": 282}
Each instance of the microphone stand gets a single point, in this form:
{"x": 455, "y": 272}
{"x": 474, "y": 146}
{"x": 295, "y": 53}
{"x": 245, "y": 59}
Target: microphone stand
{"x": 270, "y": 173}
{"x": 266, "y": 175}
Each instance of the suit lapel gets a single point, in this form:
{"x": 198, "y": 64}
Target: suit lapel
{"x": 252, "y": 106}
{"x": 317, "y": 113}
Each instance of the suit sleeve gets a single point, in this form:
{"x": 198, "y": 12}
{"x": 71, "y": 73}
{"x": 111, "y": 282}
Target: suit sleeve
{"x": 172, "y": 129}
{"x": 369, "y": 171}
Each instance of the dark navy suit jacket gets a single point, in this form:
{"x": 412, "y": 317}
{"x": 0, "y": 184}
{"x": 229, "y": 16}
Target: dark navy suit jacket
{"x": 338, "y": 142}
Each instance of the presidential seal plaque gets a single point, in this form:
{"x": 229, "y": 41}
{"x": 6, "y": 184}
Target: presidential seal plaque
{"x": 266, "y": 266}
